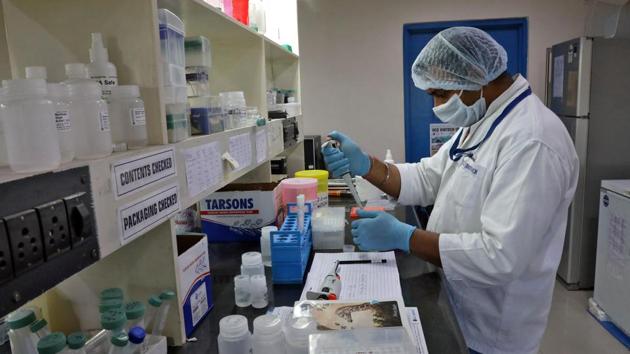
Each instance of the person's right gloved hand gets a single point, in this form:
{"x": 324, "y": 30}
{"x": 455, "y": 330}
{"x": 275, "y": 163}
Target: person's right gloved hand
{"x": 347, "y": 158}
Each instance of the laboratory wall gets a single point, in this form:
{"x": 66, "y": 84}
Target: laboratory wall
{"x": 352, "y": 66}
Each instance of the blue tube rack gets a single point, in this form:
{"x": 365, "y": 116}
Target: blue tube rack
{"x": 290, "y": 248}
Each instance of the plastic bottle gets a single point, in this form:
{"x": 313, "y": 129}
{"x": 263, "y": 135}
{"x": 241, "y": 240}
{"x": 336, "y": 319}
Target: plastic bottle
{"x": 20, "y": 337}
{"x": 99, "y": 68}
{"x": 268, "y": 336}
{"x": 63, "y": 122}
{"x": 297, "y": 332}
{"x": 257, "y": 20}
{"x": 36, "y": 72}
{"x": 154, "y": 305}
{"x": 135, "y": 314}
{"x": 76, "y": 343}
{"x": 234, "y": 336}
{"x": 113, "y": 321}
{"x": 167, "y": 297}
{"x": 91, "y": 127}
{"x": 242, "y": 292}
{"x": 389, "y": 158}
{"x": 136, "y": 340}
{"x": 111, "y": 293}
{"x": 119, "y": 344}
{"x": 126, "y": 111}
{"x": 110, "y": 304}
{"x": 252, "y": 263}
{"x": 40, "y": 329}
{"x": 265, "y": 244}
{"x": 29, "y": 129}
{"x": 51, "y": 344}
{"x": 258, "y": 289}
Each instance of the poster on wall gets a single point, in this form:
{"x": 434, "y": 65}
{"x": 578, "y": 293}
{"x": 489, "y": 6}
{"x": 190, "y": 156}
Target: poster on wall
{"x": 440, "y": 134}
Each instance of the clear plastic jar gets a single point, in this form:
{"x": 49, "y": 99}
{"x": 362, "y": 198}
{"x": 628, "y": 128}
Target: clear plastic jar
{"x": 29, "y": 129}
{"x": 177, "y": 122}
{"x": 234, "y": 336}
{"x": 20, "y": 337}
{"x": 242, "y": 292}
{"x": 234, "y": 106}
{"x": 268, "y": 336}
{"x": 91, "y": 126}
{"x": 63, "y": 122}
{"x": 128, "y": 119}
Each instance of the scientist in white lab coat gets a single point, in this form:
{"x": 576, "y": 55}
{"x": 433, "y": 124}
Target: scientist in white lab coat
{"x": 500, "y": 187}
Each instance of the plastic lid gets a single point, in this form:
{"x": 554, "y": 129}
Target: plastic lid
{"x": 299, "y": 183}
{"x": 125, "y": 91}
{"x": 26, "y": 87}
{"x": 84, "y": 88}
{"x": 167, "y": 295}
{"x": 113, "y": 319}
{"x": 155, "y": 301}
{"x": 233, "y": 326}
{"x": 320, "y": 175}
{"x": 76, "y": 340}
{"x": 136, "y": 335}
{"x": 134, "y": 310}
{"x": 98, "y": 52}
{"x": 120, "y": 340}
{"x": 168, "y": 18}
{"x": 112, "y": 293}
{"x": 111, "y": 304}
{"x": 39, "y": 324}
{"x": 267, "y": 325}
{"x": 36, "y": 72}
{"x": 76, "y": 71}
{"x": 52, "y": 343}
{"x": 21, "y": 318}
{"x": 251, "y": 258}
{"x": 196, "y": 43}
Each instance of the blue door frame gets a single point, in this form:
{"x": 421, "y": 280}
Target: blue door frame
{"x": 509, "y": 32}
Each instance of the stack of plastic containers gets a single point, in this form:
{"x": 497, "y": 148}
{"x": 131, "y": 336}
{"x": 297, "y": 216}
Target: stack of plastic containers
{"x": 174, "y": 75}
{"x": 198, "y": 65}
{"x": 322, "y": 184}
{"x": 291, "y": 247}
{"x": 329, "y": 228}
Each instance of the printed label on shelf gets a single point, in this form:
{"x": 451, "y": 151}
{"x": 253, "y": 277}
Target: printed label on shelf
{"x": 142, "y": 215}
{"x": 240, "y": 148}
{"x": 138, "y": 117}
{"x": 135, "y": 173}
{"x": 103, "y": 121}
{"x": 261, "y": 145}
{"x": 62, "y": 121}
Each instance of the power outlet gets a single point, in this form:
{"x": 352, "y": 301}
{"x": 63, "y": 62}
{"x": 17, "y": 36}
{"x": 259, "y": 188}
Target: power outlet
{"x": 80, "y": 216}
{"x": 54, "y": 228}
{"x": 6, "y": 266}
{"x": 26, "y": 240}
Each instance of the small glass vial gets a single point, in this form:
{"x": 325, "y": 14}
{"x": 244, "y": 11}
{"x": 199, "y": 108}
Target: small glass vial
{"x": 135, "y": 314}
{"x": 51, "y": 344}
{"x": 59, "y": 96}
{"x": 159, "y": 322}
{"x": 76, "y": 343}
{"x": 29, "y": 129}
{"x": 20, "y": 336}
{"x": 242, "y": 292}
{"x": 40, "y": 329}
{"x": 126, "y": 112}
{"x": 91, "y": 126}
{"x": 120, "y": 343}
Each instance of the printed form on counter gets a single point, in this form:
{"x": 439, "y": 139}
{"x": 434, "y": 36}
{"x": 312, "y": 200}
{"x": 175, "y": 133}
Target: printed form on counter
{"x": 261, "y": 145}
{"x": 204, "y": 167}
{"x": 240, "y": 147}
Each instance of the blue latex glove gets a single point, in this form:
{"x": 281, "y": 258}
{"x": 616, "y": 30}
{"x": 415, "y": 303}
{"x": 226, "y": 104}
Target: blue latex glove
{"x": 380, "y": 231}
{"x": 349, "y": 159}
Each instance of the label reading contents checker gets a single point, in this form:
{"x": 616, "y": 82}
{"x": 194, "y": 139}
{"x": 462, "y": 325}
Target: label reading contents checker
{"x": 138, "y": 172}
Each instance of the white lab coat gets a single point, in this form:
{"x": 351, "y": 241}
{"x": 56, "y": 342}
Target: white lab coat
{"x": 501, "y": 217}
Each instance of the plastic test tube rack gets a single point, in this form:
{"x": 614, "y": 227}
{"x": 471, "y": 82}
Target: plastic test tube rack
{"x": 290, "y": 248}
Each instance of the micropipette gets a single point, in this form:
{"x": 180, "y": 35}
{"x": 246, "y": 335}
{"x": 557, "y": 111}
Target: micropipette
{"x": 346, "y": 176}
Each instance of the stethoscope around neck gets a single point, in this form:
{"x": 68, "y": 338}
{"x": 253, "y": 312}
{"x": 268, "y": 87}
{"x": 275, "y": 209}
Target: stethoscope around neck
{"x": 457, "y": 154}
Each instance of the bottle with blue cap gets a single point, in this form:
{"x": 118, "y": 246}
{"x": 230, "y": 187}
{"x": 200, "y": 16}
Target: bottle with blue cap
{"x": 51, "y": 344}
{"x": 76, "y": 343}
{"x": 20, "y": 337}
{"x": 136, "y": 340}
{"x": 159, "y": 323}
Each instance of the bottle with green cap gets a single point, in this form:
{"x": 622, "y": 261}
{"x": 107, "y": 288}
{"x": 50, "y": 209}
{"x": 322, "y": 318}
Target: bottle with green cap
{"x": 113, "y": 321}
{"x": 52, "y": 344}
{"x": 76, "y": 343}
{"x": 135, "y": 314}
{"x": 40, "y": 328}
{"x": 154, "y": 304}
{"x": 159, "y": 323}
{"x": 119, "y": 344}
{"x": 20, "y": 337}
{"x": 112, "y": 293}
{"x": 110, "y": 304}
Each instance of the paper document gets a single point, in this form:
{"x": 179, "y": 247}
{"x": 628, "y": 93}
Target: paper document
{"x": 261, "y": 145}
{"x": 204, "y": 167}
{"x": 415, "y": 329}
{"x": 372, "y": 281}
{"x": 240, "y": 147}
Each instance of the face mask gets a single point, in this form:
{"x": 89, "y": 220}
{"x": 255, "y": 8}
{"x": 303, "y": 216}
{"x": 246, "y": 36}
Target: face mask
{"x": 456, "y": 113}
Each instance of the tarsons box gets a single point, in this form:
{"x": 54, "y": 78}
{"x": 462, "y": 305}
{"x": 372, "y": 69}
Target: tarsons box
{"x": 238, "y": 211}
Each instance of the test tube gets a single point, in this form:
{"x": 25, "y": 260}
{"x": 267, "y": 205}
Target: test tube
{"x": 300, "y": 207}
{"x": 40, "y": 328}
{"x": 154, "y": 304}
{"x": 136, "y": 340}
{"x": 160, "y": 318}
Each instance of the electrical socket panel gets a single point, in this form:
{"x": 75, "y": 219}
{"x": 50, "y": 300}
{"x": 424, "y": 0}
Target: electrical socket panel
{"x": 53, "y": 221}
{"x": 6, "y": 264}
{"x": 25, "y": 240}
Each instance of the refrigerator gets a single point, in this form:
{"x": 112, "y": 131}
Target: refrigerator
{"x": 612, "y": 272}
{"x": 588, "y": 87}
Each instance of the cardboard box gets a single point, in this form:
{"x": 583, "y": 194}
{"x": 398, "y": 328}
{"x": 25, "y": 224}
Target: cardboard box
{"x": 238, "y": 211}
{"x": 195, "y": 280}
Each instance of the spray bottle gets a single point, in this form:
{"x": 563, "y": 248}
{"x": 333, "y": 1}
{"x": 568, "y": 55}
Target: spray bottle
{"x": 100, "y": 69}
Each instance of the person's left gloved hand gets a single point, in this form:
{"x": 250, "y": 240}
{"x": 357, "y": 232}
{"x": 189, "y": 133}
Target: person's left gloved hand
{"x": 380, "y": 231}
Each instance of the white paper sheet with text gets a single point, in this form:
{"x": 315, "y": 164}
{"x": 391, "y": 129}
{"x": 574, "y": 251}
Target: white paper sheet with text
{"x": 373, "y": 281}
{"x": 261, "y": 145}
{"x": 204, "y": 167}
{"x": 415, "y": 329}
{"x": 240, "y": 147}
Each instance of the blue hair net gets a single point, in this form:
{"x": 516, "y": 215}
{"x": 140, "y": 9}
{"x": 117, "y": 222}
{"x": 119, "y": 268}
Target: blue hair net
{"x": 459, "y": 58}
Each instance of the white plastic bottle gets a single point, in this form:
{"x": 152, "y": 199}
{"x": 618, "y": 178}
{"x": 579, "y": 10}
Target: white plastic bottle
{"x": 297, "y": 332}
{"x": 29, "y": 128}
{"x": 265, "y": 244}
{"x": 252, "y": 263}
{"x": 54, "y": 343}
{"x": 120, "y": 344}
{"x": 268, "y": 336}
{"x": 234, "y": 336}
{"x": 20, "y": 337}
{"x": 76, "y": 343}
{"x": 258, "y": 290}
{"x": 126, "y": 111}
{"x": 59, "y": 95}
{"x": 99, "y": 68}
{"x": 242, "y": 291}
{"x": 91, "y": 127}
